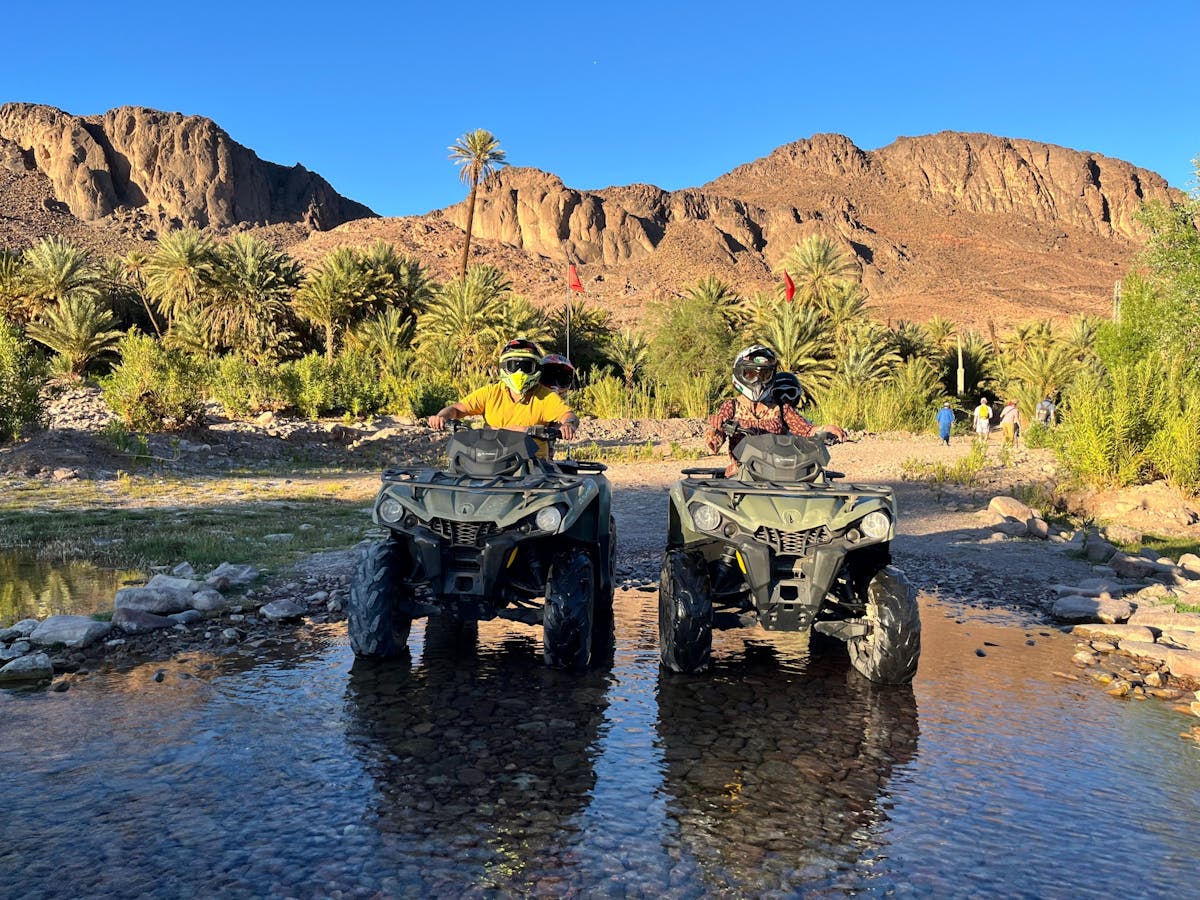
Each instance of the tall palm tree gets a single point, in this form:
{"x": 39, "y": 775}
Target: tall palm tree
{"x": 941, "y": 331}
{"x": 56, "y": 269}
{"x": 395, "y": 281}
{"x": 77, "y": 329}
{"x": 714, "y": 292}
{"x": 801, "y": 337}
{"x": 180, "y": 270}
{"x": 453, "y": 332}
{"x": 133, "y": 266}
{"x": 478, "y": 153}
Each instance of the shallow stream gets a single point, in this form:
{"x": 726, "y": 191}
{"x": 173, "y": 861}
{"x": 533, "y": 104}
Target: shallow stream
{"x": 288, "y": 770}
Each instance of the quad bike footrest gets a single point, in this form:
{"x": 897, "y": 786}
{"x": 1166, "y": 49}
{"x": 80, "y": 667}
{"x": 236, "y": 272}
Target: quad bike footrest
{"x": 843, "y": 629}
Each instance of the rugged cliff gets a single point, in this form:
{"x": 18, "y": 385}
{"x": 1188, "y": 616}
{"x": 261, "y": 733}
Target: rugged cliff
{"x": 179, "y": 170}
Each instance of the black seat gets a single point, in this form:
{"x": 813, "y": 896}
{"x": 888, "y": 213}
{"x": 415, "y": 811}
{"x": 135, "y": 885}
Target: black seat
{"x": 780, "y": 457}
{"x": 488, "y": 452}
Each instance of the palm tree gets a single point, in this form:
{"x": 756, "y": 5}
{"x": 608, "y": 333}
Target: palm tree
{"x": 716, "y": 294}
{"x": 454, "y": 331}
{"x": 56, "y": 269}
{"x": 331, "y": 291}
{"x": 801, "y": 337}
{"x": 133, "y": 265}
{"x": 478, "y": 153}
{"x": 817, "y": 265}
{"x": 77, "y": 329}
{"x": 865, "y": 355}
{"x": 395, "y": 280}
{"x": 180, "y": 270}
{"x": 12, "y": 291}
{"x": 248, "y": 303}
{"x": 941, "y": 330}
{"x": 845, "y": 306}
{"x": 628, "y": 350}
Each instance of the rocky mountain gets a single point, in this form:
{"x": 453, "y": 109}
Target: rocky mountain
{"x": 966, "y": 225}
{"x": 970, "y": 226}
{"x": 150, "y": 169}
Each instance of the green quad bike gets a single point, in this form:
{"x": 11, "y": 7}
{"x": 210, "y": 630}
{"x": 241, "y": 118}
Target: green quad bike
{"x": 498, "y": 533}
{"x": 781, "y": 545}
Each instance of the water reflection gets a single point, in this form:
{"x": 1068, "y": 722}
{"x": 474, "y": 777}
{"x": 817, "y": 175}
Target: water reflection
{"x": 777, "y": 765}
{"x": 482, "y": 759}
{"x": 37, "y": 588}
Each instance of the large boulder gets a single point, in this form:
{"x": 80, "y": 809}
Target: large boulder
{"x": 35, "y": 667}
{"x": 160, "y": 601}
{"x": 136, "y": 621}
{"x": 1011, "y": 507}
{"x": 1090, "y": 609}
{"x": 70, "y": 631}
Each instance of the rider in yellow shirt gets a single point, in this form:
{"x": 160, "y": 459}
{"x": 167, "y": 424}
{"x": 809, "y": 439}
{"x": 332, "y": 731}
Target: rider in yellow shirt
{"x": 515, "y": 402}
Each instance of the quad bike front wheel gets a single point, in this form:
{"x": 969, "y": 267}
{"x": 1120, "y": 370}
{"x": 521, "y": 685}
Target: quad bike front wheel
{"x": 376, "y": 628}
{"x": 685, "y": 613}
{"x": 567, "y": 616}
{"x": 889, "y": 651}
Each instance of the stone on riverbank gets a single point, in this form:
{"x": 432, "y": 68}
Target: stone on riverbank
{"x": 35, "y": 667}
{"x": 279, "y": 610}
{"x": 160, "y": 601}
{"x": 1118, "y": 634}
{"x": 71, "y": 631}
{"x": 1183, "y": 663}
{"x": 136, "y": 621}
{"x": 1075, "y": 608}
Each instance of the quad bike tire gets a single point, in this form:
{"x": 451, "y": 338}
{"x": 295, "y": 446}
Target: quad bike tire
{"x": 685, "y": 614}
{"x": 375, "y": 626}
{"x": 568, "y": 613}
{"x": 889, "y": 652}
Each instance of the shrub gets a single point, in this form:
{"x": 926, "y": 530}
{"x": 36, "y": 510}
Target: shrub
{"x": 246, "y": 389}
{"x": 314, "y": 384}
{"x": 357, "y": 386}
{"x": 21, "y": 377}
{"x": 152, "y": 388}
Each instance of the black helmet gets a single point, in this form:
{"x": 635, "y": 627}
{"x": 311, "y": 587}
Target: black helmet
{"x": 558, "y": 373}
{"x": 786, "y": 389}
{"x": 754, "y": 371}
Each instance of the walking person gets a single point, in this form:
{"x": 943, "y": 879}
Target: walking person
{"x": 982, "y": 419}
{"x": 1045, "y": 412}
{"x": 1010, "y": 421}
{"x": 945, "y": 420}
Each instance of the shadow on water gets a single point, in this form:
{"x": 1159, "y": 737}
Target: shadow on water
{"x": 777, "y": 765}
{"x": 482, "y": 759}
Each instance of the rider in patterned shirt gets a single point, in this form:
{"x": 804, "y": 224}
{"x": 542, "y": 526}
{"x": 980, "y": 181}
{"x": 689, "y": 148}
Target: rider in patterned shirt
{"x": 755, "y": 407}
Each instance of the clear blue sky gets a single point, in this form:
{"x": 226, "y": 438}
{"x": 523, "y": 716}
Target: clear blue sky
{"x": 371, "y": 95}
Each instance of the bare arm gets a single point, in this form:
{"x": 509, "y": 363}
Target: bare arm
{"x": 454, "y": 411}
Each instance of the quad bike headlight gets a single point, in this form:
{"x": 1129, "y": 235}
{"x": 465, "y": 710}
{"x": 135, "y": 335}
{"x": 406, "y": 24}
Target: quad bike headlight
{"x": 390, "y": 510}
{"x": 548, "y": 518}
{"x": 875, "y": 525}
{"x": 706, "y": 518}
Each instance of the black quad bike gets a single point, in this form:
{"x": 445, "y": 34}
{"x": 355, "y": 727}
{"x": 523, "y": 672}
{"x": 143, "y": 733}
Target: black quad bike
{"x": 779, "y": 544}
{"x": 498, "y": 533}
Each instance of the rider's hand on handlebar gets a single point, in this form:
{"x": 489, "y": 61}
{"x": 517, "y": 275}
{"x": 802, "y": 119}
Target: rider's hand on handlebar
{"x": 567, "y": 429}
{"x": 437, "y": 423}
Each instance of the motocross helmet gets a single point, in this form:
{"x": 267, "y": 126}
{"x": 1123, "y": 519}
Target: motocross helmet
{"x": 521, "y": 366}
{"x": 557, "y": 373}
{"x": 754, "y": 371}
{"x": 786, "y": 389}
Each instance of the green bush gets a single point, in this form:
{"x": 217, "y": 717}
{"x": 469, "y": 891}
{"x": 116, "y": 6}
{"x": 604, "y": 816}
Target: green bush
{"x": 1038, "y": 436}
{"x": 314, "y": 382}
{"x": 152, "y": 388}
{"x": 358, "y": 389}
{"x": 22, "y": 374}
{"x": 246, "y": 389}
{"x": 424, "y": 397}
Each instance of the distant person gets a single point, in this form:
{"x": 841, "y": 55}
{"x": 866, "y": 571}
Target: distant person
{"x": 1045, "y": 412}
{"x": 517, "y": 401}
{"x": 982, "y": 419}
{"x": 1010, "y": 421}
{"x": 945, "y": 420}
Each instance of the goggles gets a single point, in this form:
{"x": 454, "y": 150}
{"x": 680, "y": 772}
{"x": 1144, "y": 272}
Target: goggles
{"x": 519, "y": 364}
{"x": 757, "y": 374}
{"x": 556, "y": 379}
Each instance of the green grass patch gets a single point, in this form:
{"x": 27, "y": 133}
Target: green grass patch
{"x": 964, "y": 471}
{"x": 628, "y": 453}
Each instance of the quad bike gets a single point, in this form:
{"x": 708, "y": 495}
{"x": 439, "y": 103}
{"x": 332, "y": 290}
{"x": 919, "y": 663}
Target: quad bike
{"x": 780, "y": 544}
{"x": 498, "y": 533}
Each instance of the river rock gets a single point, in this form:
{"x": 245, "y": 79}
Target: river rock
{"x": 35, "y": 667}
{"x": 174, "y": 582}
{"x": 24, "y": 628}
{"x": 208, "y": 600}
{"x": 71, "y": 631}
{"x": 1099, "y": 551}
{"x": 1122, "y": 534}
{"x": 8, "y": 654}
{"x": 1038, "y": 528}
{"x": 1011, "y": 527}
{"x": 1183, "y": 663}
{"x": 1191, "y": 562}
{"x": 7, "y": 635}
{"x": 1145, "y": 650}
{"x": 187, "y": 617}
{"x": 160, "y": 601}
{"x": 233, "y": 575}
{"x": 1075, "y": 608}
{"x": 136, "y": 621}
{"x": 1118, "y": 634}
{"x": 184, "y": 570}
{"x": 278, "y": 610}
{"x": 1011, "y": 508}
{"x": 1132, "y": 566}
{"x": 1161, "y": 617}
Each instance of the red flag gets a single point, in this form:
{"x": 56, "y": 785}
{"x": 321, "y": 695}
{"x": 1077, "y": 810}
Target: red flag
{"x": 573, "y": 279}
{"x": 789, "y": 289}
